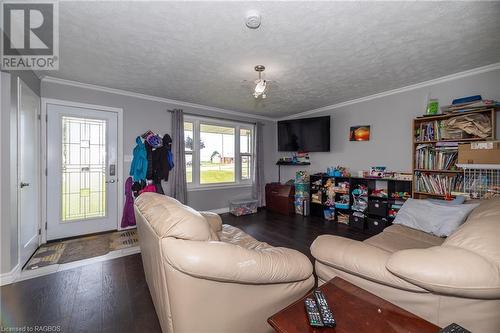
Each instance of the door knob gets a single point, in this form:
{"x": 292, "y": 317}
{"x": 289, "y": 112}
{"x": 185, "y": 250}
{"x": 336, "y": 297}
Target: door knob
{"x": 21, "y": 185}
{"x": 111, "y": 181}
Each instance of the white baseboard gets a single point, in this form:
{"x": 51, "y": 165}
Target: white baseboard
{"x": 10, "y": 277}
{"x": 220, "y": 210}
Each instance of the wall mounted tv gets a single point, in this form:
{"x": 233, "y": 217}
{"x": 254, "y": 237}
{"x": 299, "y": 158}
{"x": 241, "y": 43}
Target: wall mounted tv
{"x": 306, "y": 134}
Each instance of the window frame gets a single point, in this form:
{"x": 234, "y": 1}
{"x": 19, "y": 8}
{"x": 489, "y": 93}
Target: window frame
{"x": 195, "y": 153}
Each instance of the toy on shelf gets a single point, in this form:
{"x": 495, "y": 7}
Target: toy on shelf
{"x": 338, "y": 171}
{"x": 301, "y": 177}
{"x": 316, "y": 197}
{"x": 360, "y": 198}
{"x": 394, "y": 209}
{"x": 328, "y": 188}
{"x": 343, "y": 218}
{"x": 377, "y": 171}
{"x": 400, "y": 195}
{"x": 380, "y": 193}
{"x": 301, "y": 193}
{"x": 343, "y": 202}
{"x": 329, "y": 214}
{"x": 342, "y": 187}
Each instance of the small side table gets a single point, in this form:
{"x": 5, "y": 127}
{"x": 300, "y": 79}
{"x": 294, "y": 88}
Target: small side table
{"x": 355, "y": 310}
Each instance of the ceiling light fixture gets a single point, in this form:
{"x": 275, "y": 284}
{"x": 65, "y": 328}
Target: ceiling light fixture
{"x": 260, "y": 83}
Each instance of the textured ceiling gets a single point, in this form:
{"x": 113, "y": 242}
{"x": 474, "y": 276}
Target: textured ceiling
{"x": 319, "y": 53}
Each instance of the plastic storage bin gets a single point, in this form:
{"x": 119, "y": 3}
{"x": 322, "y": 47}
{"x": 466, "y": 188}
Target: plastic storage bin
{"x": 243, "y": 207}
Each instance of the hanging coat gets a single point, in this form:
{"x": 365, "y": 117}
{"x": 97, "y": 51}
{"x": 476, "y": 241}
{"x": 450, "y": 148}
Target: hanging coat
{"x": 160, "y": 158}
{"x": 149, "y": 156}
{"x": 128, "y": 217}
{"x": 139, "y": 166}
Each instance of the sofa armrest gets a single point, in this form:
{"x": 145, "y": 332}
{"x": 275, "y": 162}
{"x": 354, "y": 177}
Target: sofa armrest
{"x": 227, "y": 262}
{"x": 213, "y": 220}
{"x": 448, "y": 270}
{"x": 358, "y": 258}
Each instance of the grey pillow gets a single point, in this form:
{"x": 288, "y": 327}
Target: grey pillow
{"x": 436, "y": 219}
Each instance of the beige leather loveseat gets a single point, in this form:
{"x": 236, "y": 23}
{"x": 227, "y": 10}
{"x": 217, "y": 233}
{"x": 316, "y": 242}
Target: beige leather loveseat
{"x": 207, "y": 277}
{"x": 442, "y": 280}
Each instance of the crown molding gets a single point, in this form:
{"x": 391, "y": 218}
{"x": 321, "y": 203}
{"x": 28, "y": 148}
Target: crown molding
{"x": 432, "y": 82}
{"x": 77, "y": 84}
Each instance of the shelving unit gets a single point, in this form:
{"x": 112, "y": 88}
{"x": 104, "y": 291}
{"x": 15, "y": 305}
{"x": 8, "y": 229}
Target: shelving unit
{"x": 283, "y": 163}
{"x": 438, "y": 181}
{"x": 375, "y": 217}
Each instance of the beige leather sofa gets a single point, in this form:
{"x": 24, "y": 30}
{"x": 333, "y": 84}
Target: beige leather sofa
{"x": 442, "y": 280}
{"x": 207, "y": 277}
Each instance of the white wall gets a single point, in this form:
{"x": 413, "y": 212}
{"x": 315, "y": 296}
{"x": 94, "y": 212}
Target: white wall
{"x": 390, "y": 118}
{"x": 141, "y": 114}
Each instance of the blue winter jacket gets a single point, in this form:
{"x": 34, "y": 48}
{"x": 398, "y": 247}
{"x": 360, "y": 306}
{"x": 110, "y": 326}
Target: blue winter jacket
{"x": 139, "y": 167}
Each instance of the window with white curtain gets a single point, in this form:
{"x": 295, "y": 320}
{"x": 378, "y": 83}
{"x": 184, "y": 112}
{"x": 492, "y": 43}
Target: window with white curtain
{"x": 218, "y": 152}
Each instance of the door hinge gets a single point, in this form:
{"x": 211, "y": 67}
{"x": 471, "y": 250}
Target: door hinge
{"x": 46, "y": 118}
{"x": 46, "y": 172}
{"x": 39, "y": 116}
{"x": 45, "y": 225}
{"x": 39, "y": 231}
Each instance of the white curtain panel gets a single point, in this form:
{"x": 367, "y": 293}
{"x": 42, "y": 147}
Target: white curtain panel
{"x": 258, "y": 165}
{"x": 179, "y": 185}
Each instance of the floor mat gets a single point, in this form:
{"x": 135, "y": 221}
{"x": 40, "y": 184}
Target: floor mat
{"x": 82, "y": 248}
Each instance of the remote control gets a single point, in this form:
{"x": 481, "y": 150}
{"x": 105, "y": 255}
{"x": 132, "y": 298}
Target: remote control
{"x": 324, "y": 309}
{"x": 454, "y": 328}
{"x": 313, "y": 313}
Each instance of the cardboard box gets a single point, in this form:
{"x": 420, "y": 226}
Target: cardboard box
{"x": 484, "y": 152}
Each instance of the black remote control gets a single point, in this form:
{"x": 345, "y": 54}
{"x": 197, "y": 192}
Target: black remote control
{"x": 454, "y": 328}
{"x": 324, "y": 309}
{"x": 313, "y": 313}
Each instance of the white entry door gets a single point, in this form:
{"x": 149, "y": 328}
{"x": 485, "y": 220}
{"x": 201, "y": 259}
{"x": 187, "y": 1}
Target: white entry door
{"x": 82, "y": 178}
{"x": 28, "y": 171}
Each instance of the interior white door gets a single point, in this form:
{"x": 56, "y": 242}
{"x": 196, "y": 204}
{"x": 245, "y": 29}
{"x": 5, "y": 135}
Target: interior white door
{"x": 28, "y": 171}
{"x": 82, "y": 178}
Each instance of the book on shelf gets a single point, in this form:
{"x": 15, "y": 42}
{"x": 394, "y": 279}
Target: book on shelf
{"x": 478, "y": 105}
{"x": 429, "y": 131}
{"x": 438, "y": 183}
{"x": 441, "y": 156}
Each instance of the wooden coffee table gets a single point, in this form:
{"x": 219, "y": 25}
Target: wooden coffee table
{"x": 355, "y": 310}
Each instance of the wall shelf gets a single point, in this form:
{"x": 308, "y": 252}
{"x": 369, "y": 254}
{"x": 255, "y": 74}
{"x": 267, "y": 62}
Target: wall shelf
{"x": 284, "y": 163}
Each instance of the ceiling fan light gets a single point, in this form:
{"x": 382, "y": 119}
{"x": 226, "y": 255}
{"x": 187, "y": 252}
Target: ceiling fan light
{"x": 260, "y": 87}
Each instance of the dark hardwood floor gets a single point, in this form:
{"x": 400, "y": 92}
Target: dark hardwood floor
{"x": 112, "y": 296}
{"x": 296, "y": 232}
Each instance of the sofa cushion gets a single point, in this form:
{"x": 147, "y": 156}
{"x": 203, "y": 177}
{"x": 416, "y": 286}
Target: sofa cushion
{"x": 233, "y": 235}
{"x": 448, "y": 270}
{"x": 169, "y": 218}
{"x": 398, "y": 237}
{"x": 481, "y": 232}
{"x": 357, "y": 258}
{"x": 237, "y": 257}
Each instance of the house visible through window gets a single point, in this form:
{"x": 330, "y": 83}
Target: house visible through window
{"x": 217, "y": 152}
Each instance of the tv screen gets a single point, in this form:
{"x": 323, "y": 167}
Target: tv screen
{"x": 307, "y": 134}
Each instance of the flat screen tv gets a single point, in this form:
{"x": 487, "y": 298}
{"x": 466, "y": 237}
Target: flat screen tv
{"x": 306, "y": 134}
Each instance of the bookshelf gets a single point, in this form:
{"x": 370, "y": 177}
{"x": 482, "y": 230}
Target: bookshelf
{"x": 435, "y": 152}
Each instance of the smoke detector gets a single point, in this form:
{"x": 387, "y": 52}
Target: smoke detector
{"x": 253, "y": 19}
